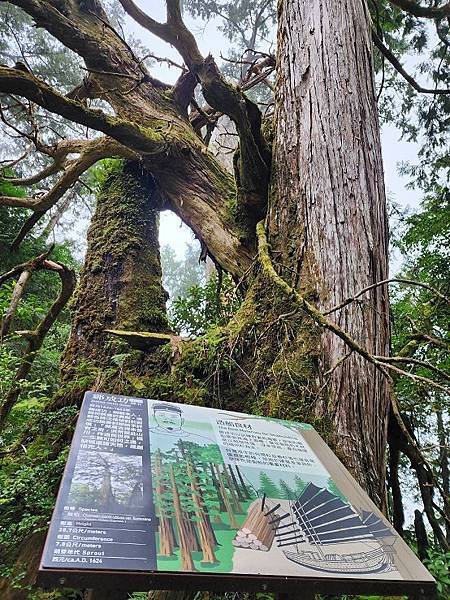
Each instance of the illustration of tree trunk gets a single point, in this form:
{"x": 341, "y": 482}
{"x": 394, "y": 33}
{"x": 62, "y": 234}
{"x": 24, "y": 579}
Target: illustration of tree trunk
{"x": 222, "y": 506}
{"x": 204, "y": 504}
{"x": 164, "y": 528}
{"x": 223, "y": 494}
{"x": 187, "y": 564}
{"x": 204, "y": 528}
{"x": 234, "y": 497}
{"x": 192, "y": 537}
{"x": 247, "y": 492}
{"x": 237, "y": 487}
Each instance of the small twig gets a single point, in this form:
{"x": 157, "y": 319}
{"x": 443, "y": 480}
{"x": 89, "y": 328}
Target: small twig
{"x": 414, "y": 361}
{"x": 398, "y": 67}
{"x": 168, "y": 61}
{"x": 385, "y": 281}
{"x": 328, "y": 374}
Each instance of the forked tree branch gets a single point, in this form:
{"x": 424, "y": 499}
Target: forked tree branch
{"x": 427, "y": 481}
{"x": 13, "y": 81}
{"x": 94, "y": 151}
{"x": 59, "y": 153}
{"x": 25, "y": 271}
{"x": 430, "y": 339}
{"x": 222, "y": 97}
{"x": 29, "y": 264}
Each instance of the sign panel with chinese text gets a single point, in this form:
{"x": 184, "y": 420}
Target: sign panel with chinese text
{"x": 158, "y": 487}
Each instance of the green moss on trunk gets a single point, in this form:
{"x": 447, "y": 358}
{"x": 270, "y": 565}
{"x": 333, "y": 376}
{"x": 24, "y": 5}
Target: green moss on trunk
{"x": 120, "y": 284}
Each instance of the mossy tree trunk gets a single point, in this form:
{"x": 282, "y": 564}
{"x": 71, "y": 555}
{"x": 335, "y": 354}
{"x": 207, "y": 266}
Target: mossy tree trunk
{"x": 327, "y": 216}
{"x": 120, "y": 284}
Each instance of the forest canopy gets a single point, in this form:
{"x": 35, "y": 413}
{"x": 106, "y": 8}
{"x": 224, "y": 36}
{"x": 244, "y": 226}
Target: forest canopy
{"x": 262, "y": 134}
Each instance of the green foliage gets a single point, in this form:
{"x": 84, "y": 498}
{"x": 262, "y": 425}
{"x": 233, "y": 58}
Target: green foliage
{"x": 424, "y": 241}
{"x": 99, "y": 173}
{"x": 438, "y": 563}
{"x": 420, "y": 331}
{"x": 196, "y": 304}
{"x": 237, "y": 19}
{"x": 421, "y": 118}
{"x": 268, "y": 487}
{"x": 43, "y": 288}
{"x": 205, "y": 306}
{"x": 181, "y": 274}
{"x": 334, "y": 489}
{"x": 27, "y": 490}
{"x": 286, "y": 491}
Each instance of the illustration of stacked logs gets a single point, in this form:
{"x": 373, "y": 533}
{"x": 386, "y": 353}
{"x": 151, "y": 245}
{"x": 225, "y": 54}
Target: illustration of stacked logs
{"x": 256, "y": 533}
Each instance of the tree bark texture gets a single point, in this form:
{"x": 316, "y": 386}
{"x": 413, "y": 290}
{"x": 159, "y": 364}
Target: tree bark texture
{"x": 120, "y": 284}
{"x": 327, "y": 214}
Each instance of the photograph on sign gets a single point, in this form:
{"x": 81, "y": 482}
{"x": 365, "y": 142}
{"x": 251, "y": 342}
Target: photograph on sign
{"x": 104, "y": 516}
{"x": 162, "y": 487}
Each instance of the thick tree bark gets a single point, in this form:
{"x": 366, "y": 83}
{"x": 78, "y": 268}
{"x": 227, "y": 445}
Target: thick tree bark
{"x": 327, "y": 214}
{"x": 444, "y": 467}
{"x": 120, "y": 284}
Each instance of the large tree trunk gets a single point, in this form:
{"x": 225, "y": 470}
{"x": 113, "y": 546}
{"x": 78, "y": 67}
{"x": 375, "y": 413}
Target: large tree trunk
{"x": 120, "y": 284}
{"x": 327, "y": 215}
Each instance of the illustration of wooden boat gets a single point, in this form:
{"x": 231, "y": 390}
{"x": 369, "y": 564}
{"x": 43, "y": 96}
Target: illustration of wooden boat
{"x": 323, "y": 519}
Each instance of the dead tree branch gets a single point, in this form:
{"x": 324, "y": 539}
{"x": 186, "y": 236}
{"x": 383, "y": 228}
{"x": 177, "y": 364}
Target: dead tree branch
{"x": 27, "y": 226}
{"x": 426, "y": 286}
{"x": 398, "y": 67}
{"x": 17, "y": 294}
{"x": 25, "y": 270}
{"x": 429, "y": 339}
{"x": 414, "y": 361}
{"x": 36, "y": 337}
{"x": 408, "y": 446}
{"x": 93, "y": 151}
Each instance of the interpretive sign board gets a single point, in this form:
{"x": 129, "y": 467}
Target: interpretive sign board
{"x": 165, "y": 495}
